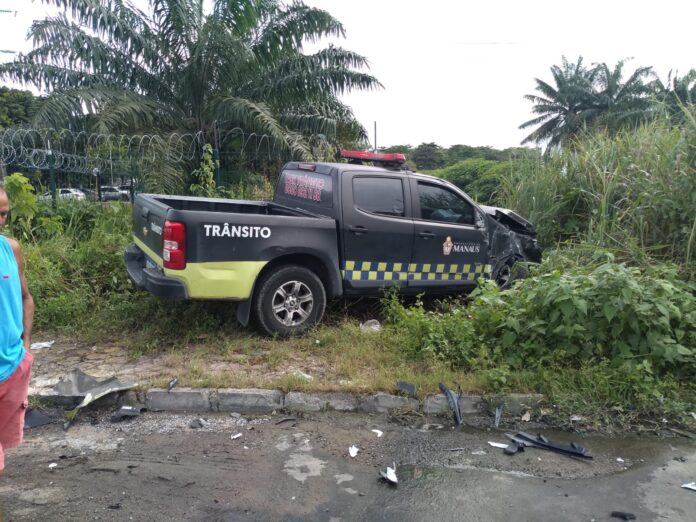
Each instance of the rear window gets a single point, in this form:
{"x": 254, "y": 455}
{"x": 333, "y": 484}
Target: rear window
{"x": 307, "y": 187}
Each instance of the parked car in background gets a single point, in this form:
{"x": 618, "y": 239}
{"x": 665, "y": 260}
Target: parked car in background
{"x": 109, "y": 193}
{"x": 64, "y": 193}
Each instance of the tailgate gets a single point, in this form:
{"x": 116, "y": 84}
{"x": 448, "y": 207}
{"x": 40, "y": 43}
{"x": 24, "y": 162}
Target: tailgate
{"x": 149, "y": 216}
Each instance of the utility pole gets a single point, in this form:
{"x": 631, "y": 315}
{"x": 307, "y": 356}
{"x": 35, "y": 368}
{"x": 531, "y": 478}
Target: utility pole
{"x": 375, "y": 136}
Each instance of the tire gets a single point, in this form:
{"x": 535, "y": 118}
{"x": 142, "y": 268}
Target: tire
{"x": 289, "y": 300}
{"x": 510, "y": 272}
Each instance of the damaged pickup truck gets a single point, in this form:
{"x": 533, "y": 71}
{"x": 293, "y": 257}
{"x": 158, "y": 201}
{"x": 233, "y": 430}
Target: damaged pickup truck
{"x": 332, "y": 230}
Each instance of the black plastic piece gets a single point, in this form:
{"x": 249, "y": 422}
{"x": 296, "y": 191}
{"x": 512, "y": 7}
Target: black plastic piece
{"x": 623, "y": 515}
{"x": 539, "y": 441}
{"x": 453, "y": 401}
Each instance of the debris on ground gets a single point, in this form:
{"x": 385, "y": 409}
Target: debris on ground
{"x": 34, "y": 418}
{"x": 125, "y": 412}
{"x": 371, "y": 325}
{"x": 526, "y": 417}
{"x": 378, "y": 432}
{"x": 478, "y": 452}
{"x": 453, "y": 401}
{"x": 390, "y": 474}
{"x": 498, "y": 414}
{"x": 302, "y": 376}
{"x": 172, "y": 383}
{"x": 78, "y": 384}
{"x": 52, "y": 465}
{"x": 690, "y": 485}
{"x": 680, "y": 459}
{"x": 683, "y": 433}
{"x": 353, "y": 451}
{"x": 576, "y": 418}
{"x": 539, "y": 441}
{"x": 286, "y": 419}
{"x": 498, "y": 445}
{"x": 41, "y": 345}
{"x": 513, "y": 448}
{"x": 619, "y": 460}
{"x": 407, "y": 388}
{"x": 623, "y": 515}
{"x": 199, "y": 423}
{"x": 235, "y": 436}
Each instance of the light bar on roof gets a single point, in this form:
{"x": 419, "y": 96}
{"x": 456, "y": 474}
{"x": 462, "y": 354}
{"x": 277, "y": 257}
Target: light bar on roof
{"x": 392, "y": 157}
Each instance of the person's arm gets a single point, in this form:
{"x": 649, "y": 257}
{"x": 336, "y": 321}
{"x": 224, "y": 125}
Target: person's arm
{"x": 27, "y": 299}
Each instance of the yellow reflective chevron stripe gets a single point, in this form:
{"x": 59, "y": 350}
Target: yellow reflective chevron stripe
{"x": 213, "y": 280}
{"x": 354, "y": 270}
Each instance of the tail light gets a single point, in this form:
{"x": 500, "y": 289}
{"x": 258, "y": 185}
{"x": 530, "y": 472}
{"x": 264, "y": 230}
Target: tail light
{"x": 174, "y": 252}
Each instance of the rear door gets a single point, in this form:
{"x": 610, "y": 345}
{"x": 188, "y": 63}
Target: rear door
{"x": 450, "y": 242}
{"x": 377, "y": 230}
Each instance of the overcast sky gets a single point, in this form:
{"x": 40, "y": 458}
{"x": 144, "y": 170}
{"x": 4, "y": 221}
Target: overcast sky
{"x": 455, "y": 71}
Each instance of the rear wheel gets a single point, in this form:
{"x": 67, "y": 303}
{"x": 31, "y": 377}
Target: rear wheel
{"x": 289, "y": 300}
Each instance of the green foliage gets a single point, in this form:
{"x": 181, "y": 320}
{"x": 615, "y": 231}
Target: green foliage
{"x": 22, "y": 202}
{"x": 17, "y": 107}
{"x": 179, "y": 66}
{"x": 635, "y": 191}
{"x": 428, "y": 156}
{"x": 608, "y": 312}
{"x": 204, "y": 175}
{"x": 480, "y": 178}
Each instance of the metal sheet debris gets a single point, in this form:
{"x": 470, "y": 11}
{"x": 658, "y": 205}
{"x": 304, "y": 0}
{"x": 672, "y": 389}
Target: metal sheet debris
{"x": 453, "y": 401}
{"x": 390, "y": 474}
{"x": 34, "y": 418}
{"x": 407, "y": 388}
{"x": 690, "y": 485}
{"x": 125, "y": 412}
{"x": 41, "y": 345}
{"x": 78, "y": 384}
{"x": 539, "y": 441}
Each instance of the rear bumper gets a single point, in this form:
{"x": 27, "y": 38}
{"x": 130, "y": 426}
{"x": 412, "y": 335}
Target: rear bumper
{"x": 151, "y": 279}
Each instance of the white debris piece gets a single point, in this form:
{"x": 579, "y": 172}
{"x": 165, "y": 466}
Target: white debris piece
{"x": 52, "y": 465}
{"x": 576, "y": 418}
{"x": 41, "y": 346}
{"x": 390, "y": 474}
{"x": 526, "y": 417}
{"x": 690, "y": 485}
{"x": 378, "y": 432}
{"x": 478, "y": 452}
{"x": 498, "y": 445}
{"x": 353, "y": 451}
{"x": 372, "y": 325}
{"x": 236, "y": 436}
{"x": 619, "y": 459}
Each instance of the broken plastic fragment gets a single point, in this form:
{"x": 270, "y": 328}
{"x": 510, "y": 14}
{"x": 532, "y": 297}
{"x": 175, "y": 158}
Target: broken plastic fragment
{"x": 498, "y": 445}
{"x": 52, "y": 465}
{"x": 125, "y": 412}
{"x": 199, "y": 423}
{"x": 479, "y": 452}
{"x": 526, "y": 417}
{"x": 575, "y": 418}
{"x": 623, "y": 515}
{"x": 390, "y": 474}
{"x": 619, "y": 459}
{"x": 453, "y": 401}
{"x": 34, "y": 418}
{"x": 236, "y": 436}
{"x": 371, "y": 325}
{"x": 690, "y": 485}
{"x": 353, "y": 451}
{"x": 378, "y": 432}
{"x": 498, "y": 414}
{"x": 172, "y": 383}
{"x": 407, "y": 388}
{"x": 41, "y": 346}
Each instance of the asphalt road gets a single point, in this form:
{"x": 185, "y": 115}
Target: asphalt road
{"x": 157, "y": 468}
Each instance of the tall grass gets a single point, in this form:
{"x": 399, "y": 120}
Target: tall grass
{"x": 634, "y": 192}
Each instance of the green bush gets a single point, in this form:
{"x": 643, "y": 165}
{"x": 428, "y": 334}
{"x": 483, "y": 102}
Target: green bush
{"x": 610, "y": 312}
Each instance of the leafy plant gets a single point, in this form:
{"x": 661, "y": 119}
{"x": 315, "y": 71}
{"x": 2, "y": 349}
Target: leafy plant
{"x": 23, "y": 203}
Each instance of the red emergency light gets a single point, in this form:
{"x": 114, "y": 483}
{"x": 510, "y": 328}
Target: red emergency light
{"x": 380, "y": 157}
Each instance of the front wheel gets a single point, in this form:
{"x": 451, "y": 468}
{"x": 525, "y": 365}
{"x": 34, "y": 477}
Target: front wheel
{"x": 289, "y": 300}
{"x": 510, "y": 272}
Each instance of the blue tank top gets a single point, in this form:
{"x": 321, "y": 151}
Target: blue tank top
{"x": 11, "y": 323}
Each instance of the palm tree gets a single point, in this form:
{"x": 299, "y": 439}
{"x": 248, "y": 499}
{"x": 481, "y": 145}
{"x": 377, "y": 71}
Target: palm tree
{"x": 678, "y": 93}
{"x": 622, "y": 103}
{"x": 564, "y": 109}
{"x": 180, "y": 68}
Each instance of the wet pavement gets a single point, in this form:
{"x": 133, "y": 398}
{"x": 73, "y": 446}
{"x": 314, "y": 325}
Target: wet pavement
{"x": 156, "y": 467}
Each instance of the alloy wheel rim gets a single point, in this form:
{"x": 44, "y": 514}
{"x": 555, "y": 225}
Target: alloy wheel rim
{"x": 292, "y": 303}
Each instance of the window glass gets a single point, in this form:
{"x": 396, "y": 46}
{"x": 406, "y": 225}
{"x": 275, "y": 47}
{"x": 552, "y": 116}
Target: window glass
{"x": 440, "y": 204}
{"x": 379, "y": 195}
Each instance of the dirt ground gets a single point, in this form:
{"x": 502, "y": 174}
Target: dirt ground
{"x": 156, "y": 467}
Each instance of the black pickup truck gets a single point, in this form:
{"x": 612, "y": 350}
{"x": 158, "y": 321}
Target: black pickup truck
{"x": 333, "y": 229}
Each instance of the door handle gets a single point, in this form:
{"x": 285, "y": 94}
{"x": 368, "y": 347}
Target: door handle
{"x": 426, "y": 235}
{"x": 357, "y": 229}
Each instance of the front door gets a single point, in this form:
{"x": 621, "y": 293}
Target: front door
{"x": 450, "y": 245}
{"x": 377, "y": 231}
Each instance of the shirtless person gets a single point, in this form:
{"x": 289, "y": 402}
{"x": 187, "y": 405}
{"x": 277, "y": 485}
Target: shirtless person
{"x": 16, "y": 317}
